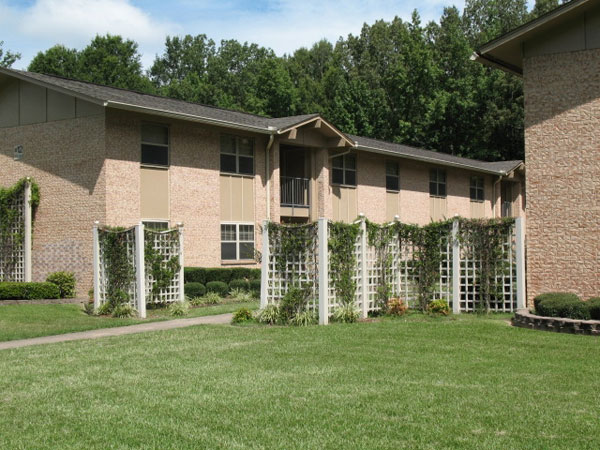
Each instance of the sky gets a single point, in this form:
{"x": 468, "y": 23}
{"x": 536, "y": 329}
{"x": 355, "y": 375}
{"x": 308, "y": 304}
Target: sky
{"x": 31, "y": 26}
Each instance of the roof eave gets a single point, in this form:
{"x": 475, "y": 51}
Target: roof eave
{"x": 431, "y": 160}
{"x": 340, "y": 134}
{"x": 490, "y": 61}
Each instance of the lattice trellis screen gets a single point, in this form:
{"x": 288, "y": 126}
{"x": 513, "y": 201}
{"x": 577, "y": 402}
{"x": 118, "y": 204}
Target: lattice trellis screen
{"x": 15, "y": 248}
{"x": 457, "y": 273}
{"x": 141, "y": 288}
{"x": 298, "y": 270}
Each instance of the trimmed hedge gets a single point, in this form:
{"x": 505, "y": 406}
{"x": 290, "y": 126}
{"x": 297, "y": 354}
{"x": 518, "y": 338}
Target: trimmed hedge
{"x": 28, "y": 291}
{"x": 239, "y": 284}
{"x": 226, "y": 275}
{"x": 219, "y": 287}
{"x": 593, "y": 305}
{"x": 255, "y": 287}
{"x": 194, "y": 289}
{"x": 561, "y": 304}
{"x": 65, "y": 282}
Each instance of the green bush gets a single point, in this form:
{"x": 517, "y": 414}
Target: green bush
{"x": 179, "y": 309}
{"x": 346, "y": 313}
{"x": 438, "y": 308}
{"x": 242, "y": 315}
{"x": 123, "y": 311}
{"x": 28, "y": 291}
{"x": 194, "y": 289}
{"x": 65, "y": 282}
{"x": 255, "y": 287}
{"x": 293, "y": 303}
{"x": 561, "y": 304}
{"x": 593, "y": 305}
{"x": 219, "y": 287}
{"x": 205, "y": 275}
{"x": 269, "y": 315}
{"x": 239, "y": 283}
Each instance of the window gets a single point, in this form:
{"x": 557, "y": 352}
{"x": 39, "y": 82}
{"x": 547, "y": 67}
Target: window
{"x": 344, "y": 170}
{"x": 155, "y": 144}
{"x": 237, "y": 155}
{"x": 477, "y": 194}
{"x": 156, "y": 225}
{"x": 392, "y": 176}
{"x": 237, "y": 241}
{"x": 437, "y": 183}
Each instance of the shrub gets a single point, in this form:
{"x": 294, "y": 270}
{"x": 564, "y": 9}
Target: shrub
{"x": 242, "y": 315}
{"x": 304, "y": 318}
{"x": 219, "y": 287}
{"x": 88, "y": 308}
{"x": 269, "y": 315}
{"x": 212, "y": 298}
{"x": 194, "y": 289}
{"x": 123, "y": 311}
{"x": 438, "y": 308}
{"x": 346, "y": 313}
{"x": 240, "y": 295}
{"x": 194, "y": 275}
{"x": 179, "y": 309}
{"x": 204, "y": 275}
{"x": 239, "y": 284}
{"x": 65, "y": 282}
{"x": 196, "y": 301}
{"x": 293, "y": 302}
{"x": 561, "y": 304}
{"x": 255, "y": 287}
{"x": 104, "y": 309}
{"x": 28, "y": 291}
{"x": 593, "y": 305}
{"x": 396, "y": 307}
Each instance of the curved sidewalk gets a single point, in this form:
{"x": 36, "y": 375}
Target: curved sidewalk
{"x": 219, "y": 319}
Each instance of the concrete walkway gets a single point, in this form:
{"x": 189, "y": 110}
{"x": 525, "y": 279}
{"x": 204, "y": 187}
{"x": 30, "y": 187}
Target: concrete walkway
{"x": 220, "y": 319}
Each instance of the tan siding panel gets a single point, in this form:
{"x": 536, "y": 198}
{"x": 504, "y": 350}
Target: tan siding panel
{"x": 154, "y": 193}
{"x": 477, "y": 210}
{"x": 60, "y": 106}
{"x": 225, "y": 194}
{"x": 9, "y": 104}
{"x": 248, "y": 199}
{"x": 392, "y": 201}
{"x": 32, "y": 103}
{"x": 438, "y": 208}
{"x": 86, "y": 109}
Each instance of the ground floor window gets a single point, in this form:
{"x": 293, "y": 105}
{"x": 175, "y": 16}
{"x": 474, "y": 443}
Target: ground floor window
{"x": 156, "y": 225}
{"x": 237, "y": 241}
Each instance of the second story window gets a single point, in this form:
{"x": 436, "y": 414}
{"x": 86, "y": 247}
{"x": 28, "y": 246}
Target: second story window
{"x": 437, "y": 183}
{"x": 155, "y": 145}
{"x": 392, "y": 176}
{"x": 237, "y": 155}
{"x": 344, "y": 170}
{"x": 476, "y": 190}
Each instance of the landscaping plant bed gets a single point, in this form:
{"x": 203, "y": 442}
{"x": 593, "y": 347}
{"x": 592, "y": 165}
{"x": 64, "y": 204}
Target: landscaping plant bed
{"x": 525, "y": 319}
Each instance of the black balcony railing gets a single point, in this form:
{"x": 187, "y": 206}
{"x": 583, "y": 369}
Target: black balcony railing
{"x": 295, "y": 192}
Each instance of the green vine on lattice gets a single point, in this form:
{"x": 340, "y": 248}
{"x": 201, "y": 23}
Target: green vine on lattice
{"x": 118, "y": 267}
{"x": 380, "y": 238}
{"x": 342, "y": 259}
{"x": 289, "y": 242}
{"x": 11, "y": 237}
{"x": 163, "y": 271}
{"x": 483, "y": 241}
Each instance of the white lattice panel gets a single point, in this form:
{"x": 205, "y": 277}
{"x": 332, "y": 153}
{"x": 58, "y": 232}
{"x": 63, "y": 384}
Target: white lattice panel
{"x": 12, "y": 253}
{"x": 167, "y": 244}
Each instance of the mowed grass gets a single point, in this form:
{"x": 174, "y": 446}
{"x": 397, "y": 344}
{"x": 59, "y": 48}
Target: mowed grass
{"x": 27, "y": 321}
{"x": 469, "y": 382}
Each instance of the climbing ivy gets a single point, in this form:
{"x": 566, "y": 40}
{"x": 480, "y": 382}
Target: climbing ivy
{"x": 119, "y": 269}
{"x": 483, "y": 241}
{"x": 380, "y": 237}
{"x": 162, "y": 271}
{"x": 342, "y": 259}
{"x": 290, "y": 241}
{"x": 11, "y": 237}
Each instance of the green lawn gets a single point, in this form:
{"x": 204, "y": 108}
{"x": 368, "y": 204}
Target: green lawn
{"x": 27, "y": 321}
{"x": 470, "y": 382}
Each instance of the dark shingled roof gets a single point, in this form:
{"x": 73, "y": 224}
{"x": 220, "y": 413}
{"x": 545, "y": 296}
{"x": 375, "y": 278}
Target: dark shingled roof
{"x": 126, "y": 99}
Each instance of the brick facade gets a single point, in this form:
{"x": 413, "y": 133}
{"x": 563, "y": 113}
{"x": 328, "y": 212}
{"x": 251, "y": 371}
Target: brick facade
{"x": 562, "y": 145}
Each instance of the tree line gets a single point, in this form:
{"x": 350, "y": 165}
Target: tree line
{"x": 400, "y": 81}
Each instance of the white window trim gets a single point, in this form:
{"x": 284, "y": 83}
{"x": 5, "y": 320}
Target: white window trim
{"x": 237, "y": 240}
{"x": 236, "y": 153}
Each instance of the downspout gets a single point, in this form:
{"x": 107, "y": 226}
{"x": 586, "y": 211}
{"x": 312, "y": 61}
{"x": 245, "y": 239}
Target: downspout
{"x": 267, "y": 169}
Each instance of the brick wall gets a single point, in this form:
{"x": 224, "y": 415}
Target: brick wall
{"x": 562, "y": 151}
{"x": 66, "y": 160}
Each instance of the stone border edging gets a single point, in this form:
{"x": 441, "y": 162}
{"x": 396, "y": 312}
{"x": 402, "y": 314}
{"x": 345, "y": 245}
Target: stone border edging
{"x": 53, "y": 301}
{"x": 524, "y": 319}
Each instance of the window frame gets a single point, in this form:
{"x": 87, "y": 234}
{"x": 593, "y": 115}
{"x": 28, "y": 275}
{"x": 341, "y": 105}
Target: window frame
{"x": 145, "y": 222}
{"x": 436, "y": 181}
{"x": 238, "y": 241}
{"x": 477, "y": 188}
{"x": 344, "y": 170}
{"x": 236, "y": 154}
{"x": 167, "y": 145}
{"x": 397, "y": 176}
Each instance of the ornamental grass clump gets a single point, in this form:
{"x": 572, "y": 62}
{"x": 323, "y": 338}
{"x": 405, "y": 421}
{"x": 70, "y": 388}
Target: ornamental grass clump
{"x": 240, "y": 295}
{"x": 347, "y": 313}
{"x": 304, "y": 318}
{"x": 123, "y": 311}
{"x": 212, "y": 298}
{"x": 179, "y": 309}
{"x": 268, "y": 315}
{"x": 294, "y": 302}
